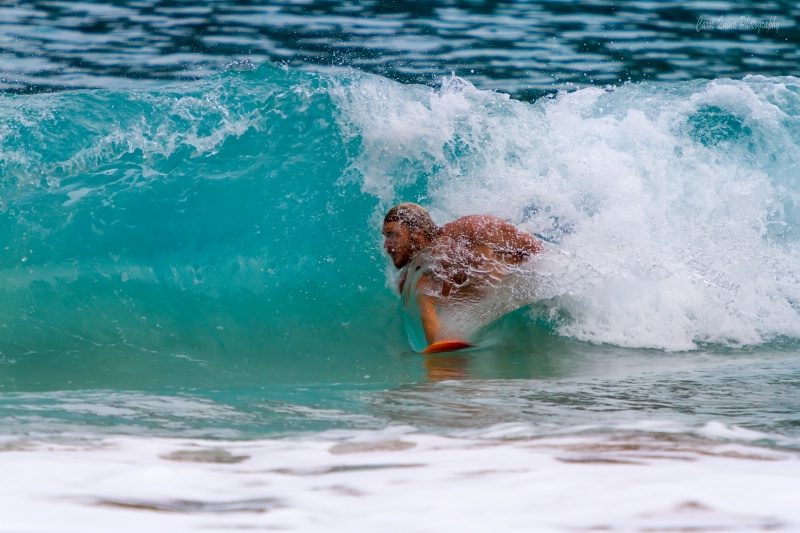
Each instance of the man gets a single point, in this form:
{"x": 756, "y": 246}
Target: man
{"x": 458, "y": 260}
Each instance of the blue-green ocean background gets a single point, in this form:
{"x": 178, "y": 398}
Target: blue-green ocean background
{"x": 189, "y": 249}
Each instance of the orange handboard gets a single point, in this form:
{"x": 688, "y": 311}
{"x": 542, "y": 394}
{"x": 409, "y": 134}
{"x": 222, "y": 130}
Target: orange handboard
{"x": 449, "y": 345}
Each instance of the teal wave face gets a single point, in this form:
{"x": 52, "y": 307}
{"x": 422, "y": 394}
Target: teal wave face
{"x": 205, "y": 220}
{"x": 227, "y": 230}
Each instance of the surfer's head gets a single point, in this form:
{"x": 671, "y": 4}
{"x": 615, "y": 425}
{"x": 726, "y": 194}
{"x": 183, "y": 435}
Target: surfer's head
{"x": 407, "y": 229}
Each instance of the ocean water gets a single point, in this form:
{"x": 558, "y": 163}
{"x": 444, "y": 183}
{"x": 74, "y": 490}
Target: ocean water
{"x": 199, "y": 329}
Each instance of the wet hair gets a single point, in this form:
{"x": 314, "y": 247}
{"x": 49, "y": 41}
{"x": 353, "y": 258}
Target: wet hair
{"x": 413, "y": 216}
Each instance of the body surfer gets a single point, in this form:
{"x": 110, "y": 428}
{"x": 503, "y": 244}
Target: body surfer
{"x": 458, "y": 260}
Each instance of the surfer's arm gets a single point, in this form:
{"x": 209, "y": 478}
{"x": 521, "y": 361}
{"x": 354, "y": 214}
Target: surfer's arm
{"x": 425, "y": 287}
{"x": 429, "y": 316}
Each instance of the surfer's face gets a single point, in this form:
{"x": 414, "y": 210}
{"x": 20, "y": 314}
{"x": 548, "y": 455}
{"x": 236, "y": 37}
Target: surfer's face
{"x": 398, "y": 243}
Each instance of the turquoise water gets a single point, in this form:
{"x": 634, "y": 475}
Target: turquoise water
{"x": 204, "y": 258}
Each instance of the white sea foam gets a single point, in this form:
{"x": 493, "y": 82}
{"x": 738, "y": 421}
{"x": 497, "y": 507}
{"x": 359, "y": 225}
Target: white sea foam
{"x": 400, "y": 480}
{"x": 670, "y": 208}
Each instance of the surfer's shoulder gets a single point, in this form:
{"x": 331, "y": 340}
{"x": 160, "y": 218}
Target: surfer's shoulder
{"x": 401, "y": 281}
